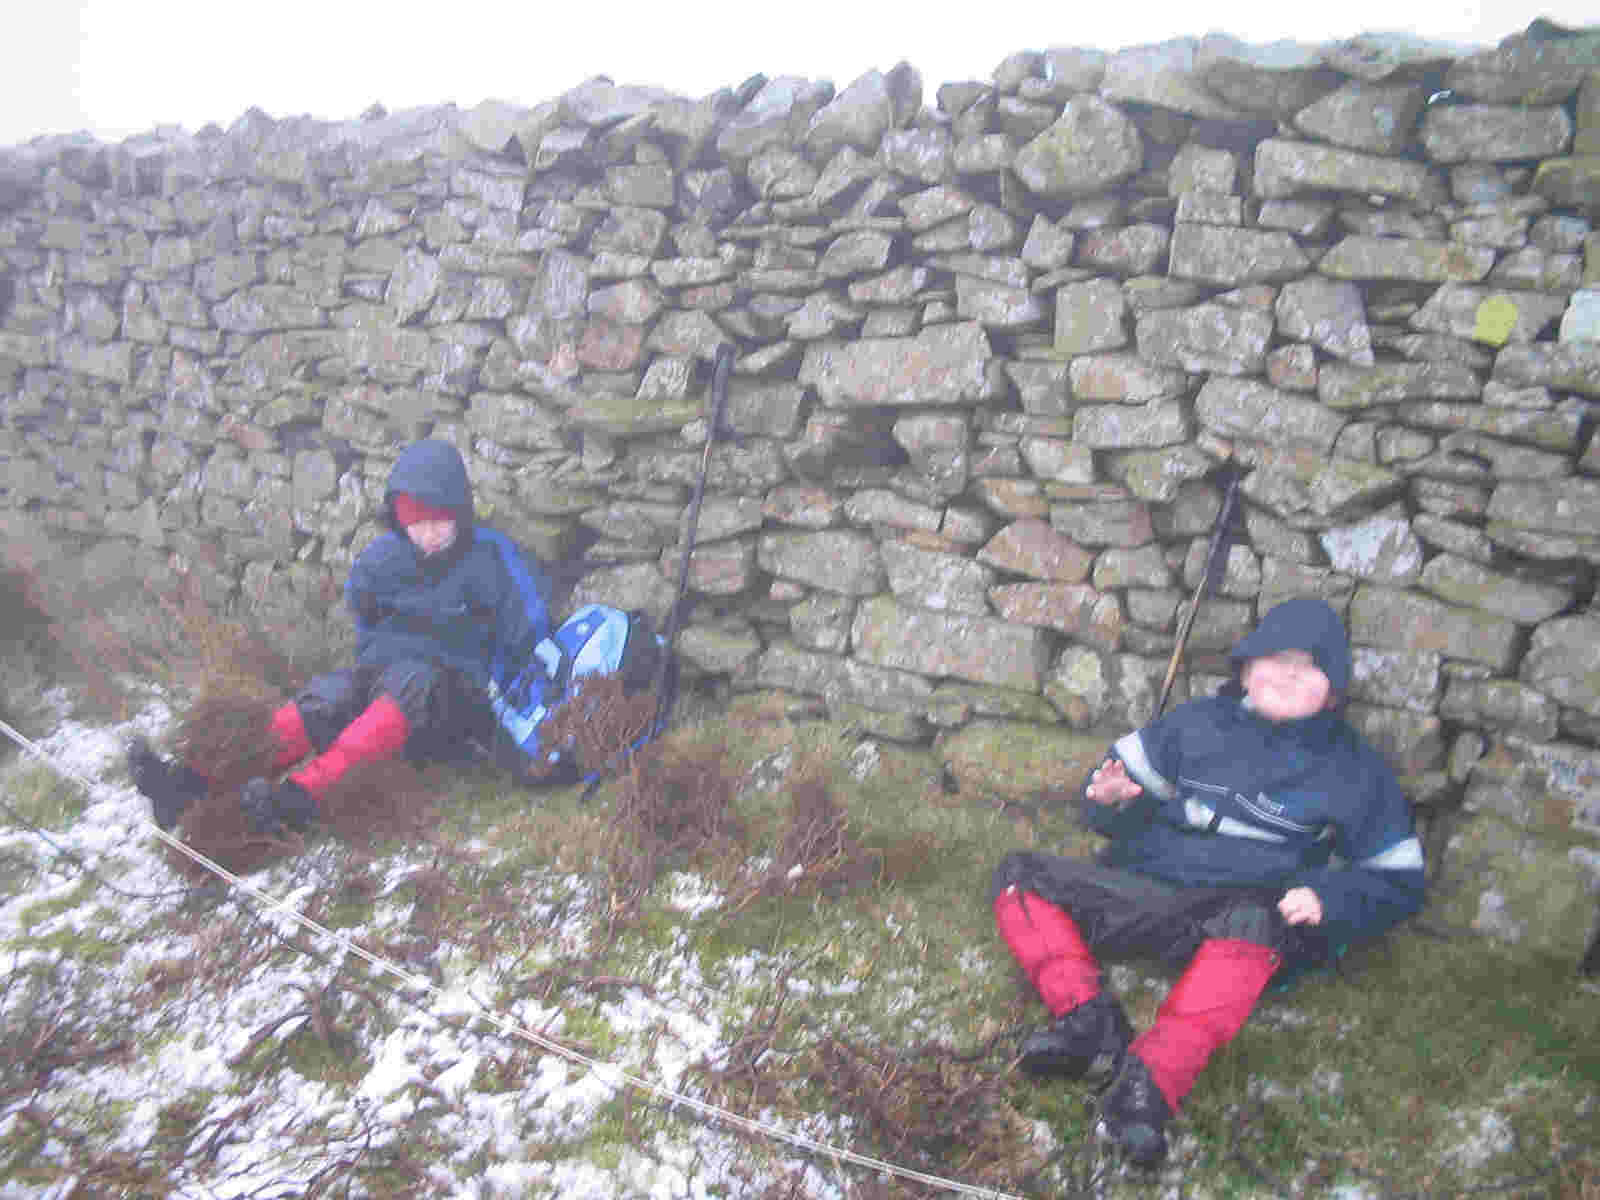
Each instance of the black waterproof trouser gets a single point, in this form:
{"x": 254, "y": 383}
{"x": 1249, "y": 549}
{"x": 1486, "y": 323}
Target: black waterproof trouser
{"x": 1125, "y": 915}
{"x": 445, "y": 713}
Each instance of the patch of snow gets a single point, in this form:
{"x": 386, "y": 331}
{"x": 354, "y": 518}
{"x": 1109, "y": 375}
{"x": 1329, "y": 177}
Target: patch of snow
{"x": 1268, "y": 1090}
{"x": 974, "y": 961}
{"x": 1274, "y": 1017}
{"x": 864, "y": 761}
{"x": 1126, "y": 979}
{"x": 768, "y": 774}
{"x": 1484, "y": 1136}
{"x": 688, "y": 893}
{"x": 906, "y": 999}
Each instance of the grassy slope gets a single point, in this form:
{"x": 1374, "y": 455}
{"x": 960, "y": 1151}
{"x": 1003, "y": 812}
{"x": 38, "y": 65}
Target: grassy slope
{"x": 1430, "y": 1065}
{"x": 863, "y": 999}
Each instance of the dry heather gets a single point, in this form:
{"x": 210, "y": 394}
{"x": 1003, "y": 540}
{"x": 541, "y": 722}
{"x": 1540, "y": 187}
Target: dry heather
{"x": 599, "y": 725}
{"x": 671, "y": 805}
{"x": 817, "y": 853}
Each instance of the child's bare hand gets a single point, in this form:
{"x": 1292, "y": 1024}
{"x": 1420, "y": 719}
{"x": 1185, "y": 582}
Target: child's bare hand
{"x": 1109, "y": 783}
{"x": 1301, "y": 906}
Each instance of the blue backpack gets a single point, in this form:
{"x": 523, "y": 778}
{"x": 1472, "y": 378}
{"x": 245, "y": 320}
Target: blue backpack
{"x": 596, "y": 640}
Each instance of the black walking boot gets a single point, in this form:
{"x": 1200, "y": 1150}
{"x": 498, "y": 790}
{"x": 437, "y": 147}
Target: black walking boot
{"x": 270, "y": 808}
{"x": 1136, "y": 1113}
{"x": 170, "y": 787}
{"x": 1086, "y": 1043}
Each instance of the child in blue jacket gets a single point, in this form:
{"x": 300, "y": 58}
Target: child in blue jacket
{"x": 1247, "y": 830}
{"x": 441, "y": 606}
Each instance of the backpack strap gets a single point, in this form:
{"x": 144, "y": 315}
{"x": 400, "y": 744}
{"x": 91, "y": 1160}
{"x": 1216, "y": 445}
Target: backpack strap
{"x": 530, "y": 586}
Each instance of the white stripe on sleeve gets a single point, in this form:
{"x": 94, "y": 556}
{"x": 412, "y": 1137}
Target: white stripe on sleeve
{"x": 1402, "y": 856}
{"x": 1130, "y": 749}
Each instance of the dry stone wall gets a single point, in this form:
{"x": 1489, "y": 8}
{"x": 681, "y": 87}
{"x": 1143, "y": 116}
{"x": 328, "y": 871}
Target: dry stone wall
{"x": 995, "y": 347}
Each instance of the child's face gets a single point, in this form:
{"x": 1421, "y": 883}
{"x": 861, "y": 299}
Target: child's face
{"x": 430, "y": 537}
{"x": 1285, "y": 686}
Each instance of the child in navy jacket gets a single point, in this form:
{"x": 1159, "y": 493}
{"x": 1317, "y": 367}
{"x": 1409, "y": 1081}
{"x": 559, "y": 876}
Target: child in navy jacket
{"x": 1246, "y": 830}
{"x": 441, "y": 606}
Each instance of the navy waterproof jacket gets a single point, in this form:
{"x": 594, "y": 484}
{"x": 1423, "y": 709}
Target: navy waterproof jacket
{"x": 1233, "y": 800}
{"x": 478, "y": 606}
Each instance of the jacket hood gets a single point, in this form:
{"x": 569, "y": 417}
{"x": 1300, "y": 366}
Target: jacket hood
{"x": 1304, "y": 623}
{"x": 433, "y": 472}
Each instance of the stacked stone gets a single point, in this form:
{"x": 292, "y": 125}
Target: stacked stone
{"x": 993, "y": 355}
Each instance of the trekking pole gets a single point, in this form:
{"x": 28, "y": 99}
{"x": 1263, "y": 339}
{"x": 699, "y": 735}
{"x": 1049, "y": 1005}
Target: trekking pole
{"x": 1222, "y": 535}
{"x": 719, "y": 401}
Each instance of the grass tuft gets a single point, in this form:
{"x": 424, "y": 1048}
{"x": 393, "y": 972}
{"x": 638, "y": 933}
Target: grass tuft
{"x": 673, "y": 803}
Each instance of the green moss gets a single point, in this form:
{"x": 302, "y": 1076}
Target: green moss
{"x": 77, "y": 947}
{"x": 41, "y": 797}
{"x": 336, "y": 1060}
{"x": 1014, "y": 760}
{"x": 18, "y": 870}
{"x": 615, "y": 1128}
{"x": 177, "y": 1119}
{"x": 585, "y": 1024}
{"x": 347, "y": 912}
{"x": 36, "y": 914}
{"x": 19, "y": 1152}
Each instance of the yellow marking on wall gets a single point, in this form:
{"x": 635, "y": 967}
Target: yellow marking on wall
{"x": 1494, "y": 320}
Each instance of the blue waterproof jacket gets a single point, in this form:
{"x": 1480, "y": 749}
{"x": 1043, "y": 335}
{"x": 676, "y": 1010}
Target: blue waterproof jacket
{"x": 1231, "y": 799}
{"x": 479, "y": 606}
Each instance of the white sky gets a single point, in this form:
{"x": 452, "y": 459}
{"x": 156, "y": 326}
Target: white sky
{"x": 119, "y": 67}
